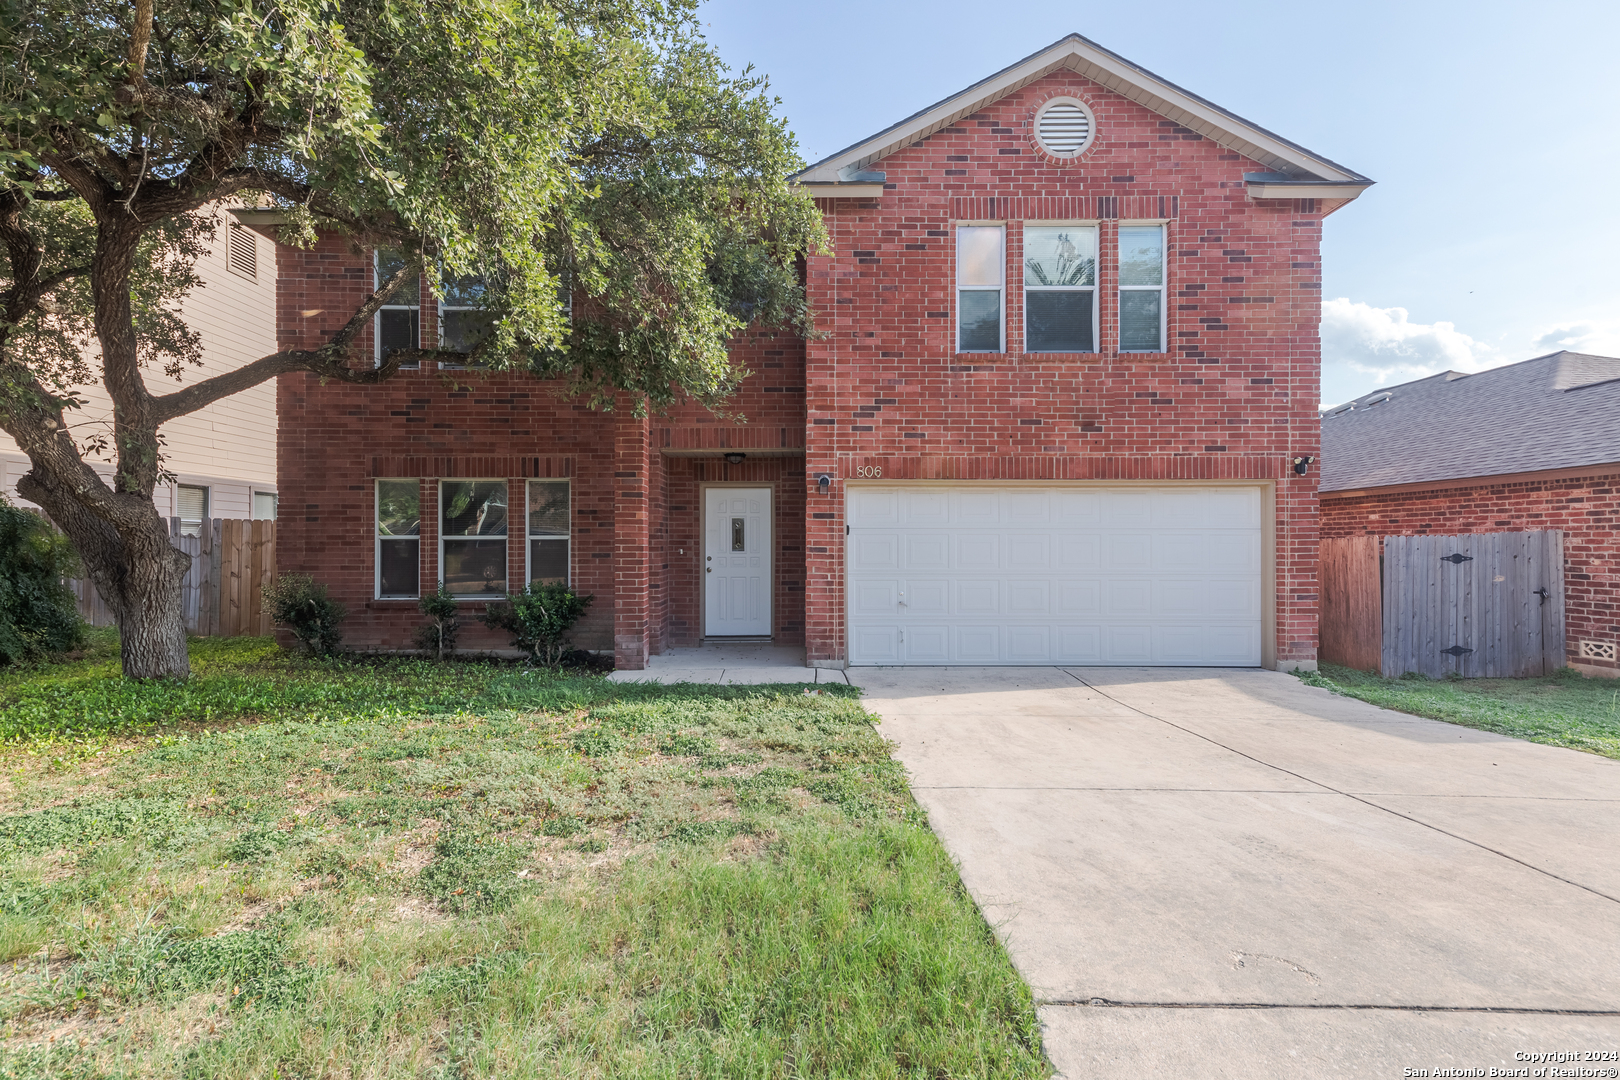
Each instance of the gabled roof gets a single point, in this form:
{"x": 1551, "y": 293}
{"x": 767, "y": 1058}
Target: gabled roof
{"x": 1290, "y": 163}
{"x": 1558, "y": 411}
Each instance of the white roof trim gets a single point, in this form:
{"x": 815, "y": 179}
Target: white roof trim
{"x": 1112, "y": 71}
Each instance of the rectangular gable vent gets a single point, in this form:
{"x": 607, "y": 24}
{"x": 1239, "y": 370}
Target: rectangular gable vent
{"x": 242, "y": 254}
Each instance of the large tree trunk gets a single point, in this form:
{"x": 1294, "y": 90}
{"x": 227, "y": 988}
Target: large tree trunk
{"x": 138, "y": 573}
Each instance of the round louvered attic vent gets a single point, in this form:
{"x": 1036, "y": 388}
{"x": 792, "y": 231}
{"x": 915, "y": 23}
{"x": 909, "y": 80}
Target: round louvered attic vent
{"x": 1064, "y": 127}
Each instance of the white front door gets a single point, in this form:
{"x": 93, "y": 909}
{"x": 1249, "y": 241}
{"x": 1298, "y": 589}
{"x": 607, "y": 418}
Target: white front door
{"x": 737, "y": 562}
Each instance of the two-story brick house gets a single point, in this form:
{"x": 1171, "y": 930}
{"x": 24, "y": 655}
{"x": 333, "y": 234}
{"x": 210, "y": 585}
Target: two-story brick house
{"x": 1067, "y": 357}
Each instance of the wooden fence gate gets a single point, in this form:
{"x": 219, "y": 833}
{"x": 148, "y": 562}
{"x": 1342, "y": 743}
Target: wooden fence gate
{"x": 1352, "y": 617}
{"x": 1484, "y": 605}
{"x": 232, "y": 560}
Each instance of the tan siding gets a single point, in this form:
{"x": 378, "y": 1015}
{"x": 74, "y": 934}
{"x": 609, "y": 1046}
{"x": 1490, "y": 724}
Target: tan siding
{"x": 230, "y": 445}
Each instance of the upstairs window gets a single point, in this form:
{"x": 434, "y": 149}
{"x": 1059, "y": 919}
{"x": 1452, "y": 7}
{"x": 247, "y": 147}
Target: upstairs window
{"x": 399, "y": 322}
{"x": 980, "y": 269}
{"x": 463, "y": 322}
{"x": 191, "y": 507}
{"x": 472, "y": 537}
{"x": 548, "y": 532}
{"x": 1060, "y": 288}
{"x": 1141, "y": 288}
{"x": 399, "y": 538}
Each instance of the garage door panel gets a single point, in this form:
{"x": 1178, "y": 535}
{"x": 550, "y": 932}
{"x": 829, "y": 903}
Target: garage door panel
{"x": 928, "y": 644}
{"x": 1029, "y": 644}
{"x": 1130, "y": 551}
{"x": 1129, "y": 645}
{"x": 869, "y": 508}
{"x": 869, "y": 551}
{"x": 1129, "y": 596}
{"x": 978, "y": 597}
{"x": 977, "y": 551}
{"x": 928, "y": 551}
{"x": 922, "y": 509}
{"x": 927, "y": 597}
{"x": 1032, "y": 575}
{"x": 978, "y": 644}
{"x": 1029, "y": 597}
{"x": 1077, "y": 644}
{"x": 1079, "y": 551}
{"x": 1028, "y": 552}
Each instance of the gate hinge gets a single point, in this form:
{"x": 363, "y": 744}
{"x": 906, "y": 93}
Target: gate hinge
{"x": 1456, "y": 650}
{"x": 1456, "y": 558}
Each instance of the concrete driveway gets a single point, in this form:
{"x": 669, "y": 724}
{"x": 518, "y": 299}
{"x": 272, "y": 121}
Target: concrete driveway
{"x": 1210, "y": 873}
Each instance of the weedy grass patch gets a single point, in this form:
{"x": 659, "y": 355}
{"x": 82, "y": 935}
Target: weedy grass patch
{"x": 471, "y": 870}
{"x": 1562, "y": 709}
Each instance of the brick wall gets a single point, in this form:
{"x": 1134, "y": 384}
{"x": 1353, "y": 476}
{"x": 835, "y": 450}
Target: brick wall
{"x": 632, "y": 505}
{"x": 1586, "y": 508}
{"x": 1234, "y": 396}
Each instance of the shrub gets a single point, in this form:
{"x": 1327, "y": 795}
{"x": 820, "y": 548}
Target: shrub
{"x": 38, "y": 613}
{"x": 443, "y": 626}
{"x": 297, "y": 602}
{"x": 539, "y": 618}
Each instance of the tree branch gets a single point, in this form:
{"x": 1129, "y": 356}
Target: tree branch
{"x": 330, "y": 360}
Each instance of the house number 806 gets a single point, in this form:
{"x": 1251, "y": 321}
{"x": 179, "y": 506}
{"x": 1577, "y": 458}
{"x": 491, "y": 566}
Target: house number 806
{"x": 868, "y": 470}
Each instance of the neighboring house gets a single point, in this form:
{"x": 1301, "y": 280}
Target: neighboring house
{"x": 223, "y": 457}
{"x": 1068, "y": 353}
{"x": 1526, "y": 447}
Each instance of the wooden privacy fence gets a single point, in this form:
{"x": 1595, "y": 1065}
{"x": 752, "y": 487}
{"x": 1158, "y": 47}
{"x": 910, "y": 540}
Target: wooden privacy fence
{"x": 232, "y": 561}
{"x": 1478, "y": 605}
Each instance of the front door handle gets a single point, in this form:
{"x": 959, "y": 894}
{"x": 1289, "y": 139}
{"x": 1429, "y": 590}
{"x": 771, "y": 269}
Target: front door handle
{"x": 708, "y": 569}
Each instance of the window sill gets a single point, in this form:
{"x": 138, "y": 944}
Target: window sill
{"x": 1061, "y": 357}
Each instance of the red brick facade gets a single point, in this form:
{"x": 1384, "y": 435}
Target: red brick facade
{"x": 879, "y": 388}
{"x": 1585, "y": 507}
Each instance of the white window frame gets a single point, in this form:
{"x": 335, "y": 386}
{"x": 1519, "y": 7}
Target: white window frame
{"x": 451, "y": 366}
{"x": 505, "y": 538}
{"x": 1162, "y": 288}
{"x": 1095, "y": 287}
{"x": 529, "y": 533}
{"x": 207, "y": 498}
{"x": 378, "y": 537}
{"x": 956, "y": 298}
{"x": 253, "y": 498}
{"x": 376, "y": 320}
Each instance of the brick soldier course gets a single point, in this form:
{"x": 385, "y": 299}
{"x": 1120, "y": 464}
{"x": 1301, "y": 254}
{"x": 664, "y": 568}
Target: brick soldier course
{"x": 881, "y": 387}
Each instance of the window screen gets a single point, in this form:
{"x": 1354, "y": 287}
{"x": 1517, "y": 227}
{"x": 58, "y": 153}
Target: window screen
{"x": 548, "y": 532}
{"x": 472, "y": 530}
{"x": 1060, "y": 288}
{"x": 398, "y": 323}
{"x": 1141, "y": 288}
{"x": 399, "y": 543}
{"x": 979, "y": 279}
{"x": 191, "y": 504}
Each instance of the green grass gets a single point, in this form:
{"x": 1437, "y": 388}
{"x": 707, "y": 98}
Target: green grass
{"x": 1564, "y": 709}
{"x": 462, "y": 871}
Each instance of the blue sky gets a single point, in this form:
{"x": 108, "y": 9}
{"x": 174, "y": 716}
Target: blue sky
{"x": 1493, "y": 131}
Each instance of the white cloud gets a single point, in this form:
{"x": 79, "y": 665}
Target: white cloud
{"x": 1601, "y": 337}
{"x": 1365, "y": 347}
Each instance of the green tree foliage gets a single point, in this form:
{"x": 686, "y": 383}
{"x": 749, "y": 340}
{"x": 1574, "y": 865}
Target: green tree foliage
{"x": 38, "y": 614}
{"x": 539, "y": 619}
{"x": 616, "y": 195}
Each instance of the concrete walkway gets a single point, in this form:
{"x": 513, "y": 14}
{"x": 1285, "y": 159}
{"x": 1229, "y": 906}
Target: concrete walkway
{"x": 1211, "y": 873}
{"x": 735, "y": 663}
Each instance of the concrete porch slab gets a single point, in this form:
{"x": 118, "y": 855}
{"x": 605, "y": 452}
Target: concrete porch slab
{"x": 733, "y": 664}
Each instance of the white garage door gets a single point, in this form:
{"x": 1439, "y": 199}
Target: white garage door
{"x": 973, "y": 574}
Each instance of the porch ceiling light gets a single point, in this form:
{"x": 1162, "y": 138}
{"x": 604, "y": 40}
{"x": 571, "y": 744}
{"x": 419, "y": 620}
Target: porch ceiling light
{"x": 735, "y": 459}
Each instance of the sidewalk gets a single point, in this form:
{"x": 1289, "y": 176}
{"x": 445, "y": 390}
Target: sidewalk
{"x": 737, "y": 664}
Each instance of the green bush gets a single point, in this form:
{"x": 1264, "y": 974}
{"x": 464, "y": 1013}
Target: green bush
{"x": 539, "y": 618}
{"x": 38, "y": 613}
{"x": 438, "y": 635}
{"x": 297, "y": 602}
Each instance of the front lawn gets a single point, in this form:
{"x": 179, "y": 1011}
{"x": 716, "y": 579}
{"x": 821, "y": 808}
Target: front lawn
{"x": 290, "y": 868}
{"x": 1564, "y": 709}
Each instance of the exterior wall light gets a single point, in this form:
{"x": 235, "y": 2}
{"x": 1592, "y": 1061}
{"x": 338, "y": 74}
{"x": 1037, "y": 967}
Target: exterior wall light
{"x": 824, "y": 483}
{"x": 735, "y": 459}
{"x": 1301, "y": 464}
